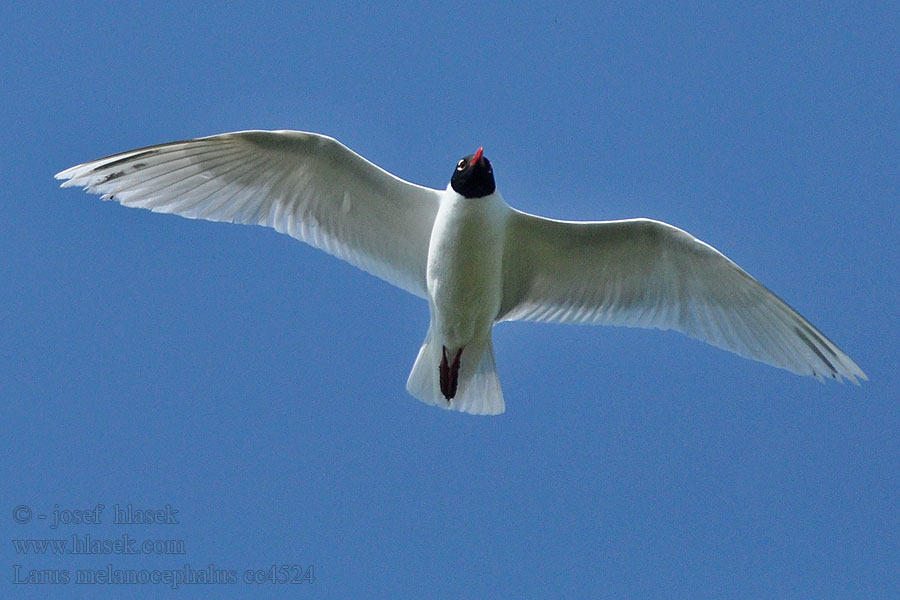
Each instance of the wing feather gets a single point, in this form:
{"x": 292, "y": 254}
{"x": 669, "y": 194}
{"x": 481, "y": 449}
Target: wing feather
{"x": 645, "y": 273}
{"x": 305, "y": 185}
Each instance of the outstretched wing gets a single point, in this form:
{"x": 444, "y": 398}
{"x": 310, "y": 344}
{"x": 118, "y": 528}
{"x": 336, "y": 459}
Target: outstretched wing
{"x": 306, "y": 185}
{"x": 644, "y": 273}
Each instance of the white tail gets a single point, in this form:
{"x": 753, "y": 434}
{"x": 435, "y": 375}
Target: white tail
{"x": 479, "y": 390}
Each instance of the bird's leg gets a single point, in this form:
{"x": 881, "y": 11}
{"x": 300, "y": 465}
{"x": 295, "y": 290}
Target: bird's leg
{"x": 449, "y": 373}
{"x": 445, "y": 374}
{"x": 454, "y": 373}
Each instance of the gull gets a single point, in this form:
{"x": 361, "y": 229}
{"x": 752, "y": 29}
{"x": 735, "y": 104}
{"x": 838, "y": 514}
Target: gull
{"x": 476, "y": 260}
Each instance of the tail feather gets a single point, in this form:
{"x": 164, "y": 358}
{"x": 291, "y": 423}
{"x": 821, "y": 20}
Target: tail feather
{"x": 423, "y": 379}
{"x": 479, "y": 390}
{"x": 479, "y": 386}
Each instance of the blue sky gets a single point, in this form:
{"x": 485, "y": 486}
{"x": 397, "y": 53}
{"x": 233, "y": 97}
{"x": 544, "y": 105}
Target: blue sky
{"x": 256, "y": 385}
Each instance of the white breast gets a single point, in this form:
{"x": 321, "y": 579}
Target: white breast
{"x": 464, "y": 266}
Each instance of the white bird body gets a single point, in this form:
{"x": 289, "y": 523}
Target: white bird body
{"x": 476, "y": 260}
{"x": 464, "y": 282}
{"x": 465, "y": 261}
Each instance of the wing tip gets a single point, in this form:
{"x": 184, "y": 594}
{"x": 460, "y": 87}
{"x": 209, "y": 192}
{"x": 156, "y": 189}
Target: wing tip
{"x": 65, "y": 176}
{"x": 851, "y": 373}
{"x": 856, "y": 374}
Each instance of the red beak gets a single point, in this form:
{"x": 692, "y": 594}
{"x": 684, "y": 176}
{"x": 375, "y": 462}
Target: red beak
{"x": 478, "y": 154}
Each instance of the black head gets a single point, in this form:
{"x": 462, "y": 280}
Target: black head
{"x": 473, "y": 177}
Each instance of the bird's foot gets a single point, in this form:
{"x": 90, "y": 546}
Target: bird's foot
{"x": 449, "y": 373}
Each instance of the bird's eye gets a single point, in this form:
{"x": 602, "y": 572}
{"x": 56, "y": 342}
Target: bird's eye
{"x": 461, "y": 164}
